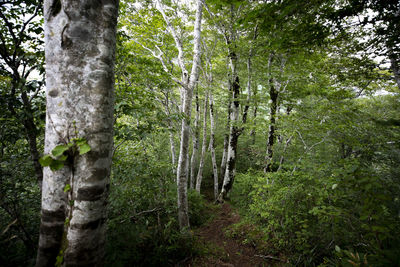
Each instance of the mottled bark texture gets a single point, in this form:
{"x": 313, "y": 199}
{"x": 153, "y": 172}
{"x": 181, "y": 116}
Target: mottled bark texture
{"x": 203, "y": 146}
{"x": 233, "y": 140}
{"x": 234, "y": 131}
{"x": 80, "y": 47}
{"x": 273, "y": 94}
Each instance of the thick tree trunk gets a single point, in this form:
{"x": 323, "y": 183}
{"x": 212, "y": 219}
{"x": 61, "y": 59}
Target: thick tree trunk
{"x": 212, "y": 146}
{"x": 195, "y": 143}
{"x": 80, "y": 45}
{"x": 203, "y": 146}
{"x": 273, "y": 93}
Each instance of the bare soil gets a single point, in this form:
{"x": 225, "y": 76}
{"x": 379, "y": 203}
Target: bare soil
{"x": 221, "y": 249}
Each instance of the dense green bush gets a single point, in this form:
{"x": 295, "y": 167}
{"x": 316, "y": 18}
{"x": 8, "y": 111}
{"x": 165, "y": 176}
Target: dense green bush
{"x": 142, "y": 227}
{"x": 307, "y": 215}
{"x": 19, "y": 207}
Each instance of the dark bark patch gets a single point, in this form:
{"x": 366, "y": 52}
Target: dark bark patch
{"x": 54, "y": 93}
{"x": 92, "y": 256}
{"x": 54, "y": 231}
{"x": 66, "y": 42}
{"x": 53, "y": 215}
{"x": 89, "y": 225}
{"x": 47, "y": 255}
{"x": 91, "y": 193}
{"x": 97, "y": 175}
{"x": 55, "y": 8}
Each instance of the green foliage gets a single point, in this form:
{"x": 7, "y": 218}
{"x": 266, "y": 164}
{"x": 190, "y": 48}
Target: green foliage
{"x": 19, "y": 206}
{"x": 143, "y": 228}
{"x": 62, "y": 154}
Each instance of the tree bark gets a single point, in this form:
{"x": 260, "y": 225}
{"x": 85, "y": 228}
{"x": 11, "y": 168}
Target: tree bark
{"x": 226, "y": 142}
{"x": 234, "y": 132}
{"x": 203, "y": 145}
{"x": 80, "y": 48}
{"x": 273, "y": 93}
{"x": 188, "y": 84}
{"x": 212, "y": 146}
{"x": 173, "y": 151}
{"x": 195, "y": 143}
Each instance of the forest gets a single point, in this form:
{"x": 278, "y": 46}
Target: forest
{"x": 199, "y": 133}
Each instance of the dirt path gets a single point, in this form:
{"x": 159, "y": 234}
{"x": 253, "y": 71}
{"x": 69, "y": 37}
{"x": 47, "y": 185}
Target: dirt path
{"x": 222, "y": 250}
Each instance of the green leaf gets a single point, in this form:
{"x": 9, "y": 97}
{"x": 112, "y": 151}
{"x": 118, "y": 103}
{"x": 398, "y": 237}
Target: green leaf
{"x": 62, "y": 158}
{"x": 337, "y": 248}
{"x": 84, "y": 148}
{"x": 59, "y": 150}
{"x": 45, "y": 161}
{"x": 67, "y": 188}
{"x": 56, "y": 165}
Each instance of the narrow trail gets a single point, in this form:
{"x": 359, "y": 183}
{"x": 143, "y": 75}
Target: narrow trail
{"x": 223, "y": 250}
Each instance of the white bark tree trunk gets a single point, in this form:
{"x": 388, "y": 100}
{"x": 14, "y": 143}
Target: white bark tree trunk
{"x": 195, "y": 143}
{"x": 80, "y": 46}
{"x": 173, "y": 151}
{"x": 212, "y": 146}
{"x": 234, "y": 131}
{"x": 226, "y": 142}
{"x": 203, "y": 146}
{"x": 188, "y": 83}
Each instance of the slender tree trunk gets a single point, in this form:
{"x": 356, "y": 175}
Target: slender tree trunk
{"x": 31, "y": 134}
{"x": 282, "y": 159}
{"x": 212, "y": 146}
{"x": 232, "y": 145}
{"x": 30, "y": 129}
{"x": 253, "y": 131}
{"x": 195, "y": 143}
{"x": 203, "y": 145}
{"x": 80, "y": 46}
{"x": 273, "y": 93}
{"x": 187, "y": 91}
{"x": 234, "y": 131}
{"x": 173, "y": 151}
{"x": 226, "y": 142}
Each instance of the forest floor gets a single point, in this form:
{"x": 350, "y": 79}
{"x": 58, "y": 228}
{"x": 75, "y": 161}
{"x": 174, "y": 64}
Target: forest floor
{"x": 222, "y": 249}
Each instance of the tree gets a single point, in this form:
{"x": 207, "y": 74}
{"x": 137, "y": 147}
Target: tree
{"x": 80, "y": 46}
{"x": 187, "y": 82}
{"x": 203, "y": 145}
{"x": 21, "y": 55}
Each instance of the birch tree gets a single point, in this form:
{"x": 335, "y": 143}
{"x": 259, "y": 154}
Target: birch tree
{"x": 203, "y": 146}
{"x": 195, "y": 142}
{"x": 80, "y": 46}
{"x": 187, "y": 83}
{"x": 212, "y": 147}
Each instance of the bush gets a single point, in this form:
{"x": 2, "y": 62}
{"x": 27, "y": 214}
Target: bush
{"x": 306, "y": 215}
{"x": 142, "y": 227}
